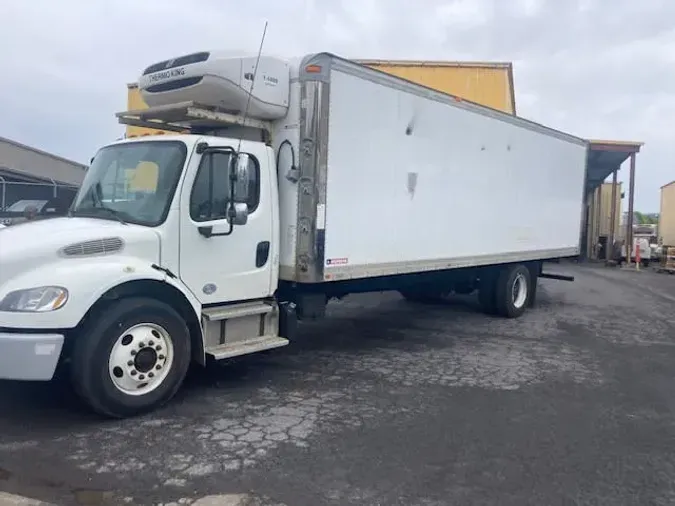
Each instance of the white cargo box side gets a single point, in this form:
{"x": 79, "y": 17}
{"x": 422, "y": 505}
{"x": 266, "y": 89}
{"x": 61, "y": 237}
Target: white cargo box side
{"x": 408, "y": 179}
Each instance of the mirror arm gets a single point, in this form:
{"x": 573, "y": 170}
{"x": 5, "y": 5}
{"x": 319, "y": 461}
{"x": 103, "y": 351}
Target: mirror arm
{"x": 207, "y": 231}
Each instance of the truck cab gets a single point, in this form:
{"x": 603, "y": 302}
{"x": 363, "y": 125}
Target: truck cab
{"x": 187, "y": 218}
{"x": 168, "y": 254}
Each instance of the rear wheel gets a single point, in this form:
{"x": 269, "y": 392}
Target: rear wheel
{"x": 132, "y": 358}
{"x": 513, "y": 291}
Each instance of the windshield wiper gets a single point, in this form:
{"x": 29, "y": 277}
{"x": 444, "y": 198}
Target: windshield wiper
{"x": 112, "y": 212}
{"x": 93, "y": 212}
{"x": 97, "y": 203}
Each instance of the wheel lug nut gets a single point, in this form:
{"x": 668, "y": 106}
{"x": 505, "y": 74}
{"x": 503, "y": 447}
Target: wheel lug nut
{"x": 151, "y": 343}
{"x": 130, "y": 363}
{"x": 141, "y": 344}
{"x": 151, "y": 375}
{"x": 133, "y": 373}
{"x": 141, "y": 377}
{"x": 158, "y": 367}
{"x": 133, "y": 352}
{"x": 158, "y": 348}
{"x": 161, "y": 357}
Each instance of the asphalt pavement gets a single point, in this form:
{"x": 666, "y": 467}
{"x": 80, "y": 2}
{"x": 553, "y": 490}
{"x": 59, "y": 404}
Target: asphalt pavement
{"x": 391, "y": 403}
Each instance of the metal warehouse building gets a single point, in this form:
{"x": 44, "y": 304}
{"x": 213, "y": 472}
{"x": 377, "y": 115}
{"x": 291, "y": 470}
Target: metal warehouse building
{"x": 666, "y": 229}
{"x": 30, "y": 174}
{"x": 486, "y": 83}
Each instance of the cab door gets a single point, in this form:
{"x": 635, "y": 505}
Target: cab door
{"x": 226, "y": 267}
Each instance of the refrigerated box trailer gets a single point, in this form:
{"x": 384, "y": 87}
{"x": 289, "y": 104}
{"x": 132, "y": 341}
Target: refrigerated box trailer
{"x": 301, "y": 181}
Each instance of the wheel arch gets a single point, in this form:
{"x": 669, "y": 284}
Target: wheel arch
{"x": 163, "y": 292}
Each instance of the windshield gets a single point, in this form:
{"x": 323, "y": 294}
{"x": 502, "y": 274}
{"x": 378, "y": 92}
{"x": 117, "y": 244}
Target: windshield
{"x": 132, "y": 182}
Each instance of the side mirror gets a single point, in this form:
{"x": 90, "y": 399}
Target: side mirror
{"x": 241, "y": 178}
{"x": 238, "y": 214}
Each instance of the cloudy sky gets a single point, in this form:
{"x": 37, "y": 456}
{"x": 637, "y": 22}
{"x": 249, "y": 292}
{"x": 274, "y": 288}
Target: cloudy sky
{"x": 596, "y": 68}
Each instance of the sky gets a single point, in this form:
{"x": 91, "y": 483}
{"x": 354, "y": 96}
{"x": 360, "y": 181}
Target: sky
{"x": 600, "y": 69}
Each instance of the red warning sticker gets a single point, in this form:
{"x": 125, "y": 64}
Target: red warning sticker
{"x": 337, "y": 261}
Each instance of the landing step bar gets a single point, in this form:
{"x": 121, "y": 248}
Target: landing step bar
{"x": 559, "y": 277}
{"x": 245, "y": 347}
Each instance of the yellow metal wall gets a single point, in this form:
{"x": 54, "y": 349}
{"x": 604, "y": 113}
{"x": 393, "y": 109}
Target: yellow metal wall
{"x": 666, "y": 229}
{"x": 600, "y": 216}
{"x": 489, "y": 84}
{"x": 135, "y": 101}
{"x": 604, "y": 226}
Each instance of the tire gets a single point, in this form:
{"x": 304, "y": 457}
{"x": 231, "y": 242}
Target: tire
{"x": 109, "y": 338}
{"x": 534, "y": 284}
{"x": 513, "y": 291}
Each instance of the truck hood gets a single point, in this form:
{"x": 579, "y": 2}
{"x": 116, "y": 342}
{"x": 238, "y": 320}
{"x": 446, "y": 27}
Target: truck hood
{"x": 32, "y": 244}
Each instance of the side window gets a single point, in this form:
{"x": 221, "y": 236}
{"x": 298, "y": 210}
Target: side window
{"x": 211, "y": 190}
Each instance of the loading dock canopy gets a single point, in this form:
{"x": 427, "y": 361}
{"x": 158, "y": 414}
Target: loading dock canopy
{"x": 604, "y": 157}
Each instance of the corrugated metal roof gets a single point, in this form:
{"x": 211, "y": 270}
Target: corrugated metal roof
{"x": 39, "y": 164}
{"x": 40, "y": 152}
{"x": 436, "y": 63}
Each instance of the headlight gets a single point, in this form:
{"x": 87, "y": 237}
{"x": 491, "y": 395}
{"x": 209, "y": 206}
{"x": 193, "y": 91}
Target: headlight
{"x": 35, "y": 300}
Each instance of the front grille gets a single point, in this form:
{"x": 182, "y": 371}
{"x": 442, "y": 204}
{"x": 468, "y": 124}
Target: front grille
{"x": 174, "y": 85}
{"x": 177, "y": 62}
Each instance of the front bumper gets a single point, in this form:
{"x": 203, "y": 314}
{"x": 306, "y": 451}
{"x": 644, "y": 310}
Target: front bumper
{"x": 30, "y": 357}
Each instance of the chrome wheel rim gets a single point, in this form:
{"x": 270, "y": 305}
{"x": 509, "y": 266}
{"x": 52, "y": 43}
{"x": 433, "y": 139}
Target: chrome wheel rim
{"x": 141, "y": 359}
{"x": 519, "y": 292}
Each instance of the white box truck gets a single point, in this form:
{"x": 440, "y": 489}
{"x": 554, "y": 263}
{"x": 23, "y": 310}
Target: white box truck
{"x": 298, "y": 182}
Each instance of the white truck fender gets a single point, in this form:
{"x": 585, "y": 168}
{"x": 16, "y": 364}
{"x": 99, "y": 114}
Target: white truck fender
{"x": 86, "y": 282}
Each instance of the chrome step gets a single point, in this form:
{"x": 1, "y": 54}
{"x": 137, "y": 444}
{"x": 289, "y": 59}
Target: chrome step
{"x": 238, "y": 311}
{"x": 245, "y": 347}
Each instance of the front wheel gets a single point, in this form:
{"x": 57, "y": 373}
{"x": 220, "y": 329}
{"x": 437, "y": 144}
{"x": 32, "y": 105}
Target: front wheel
{"x": 132, "y": 358}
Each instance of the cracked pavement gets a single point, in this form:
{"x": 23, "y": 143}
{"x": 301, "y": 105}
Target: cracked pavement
{"x": 391, "y": 403}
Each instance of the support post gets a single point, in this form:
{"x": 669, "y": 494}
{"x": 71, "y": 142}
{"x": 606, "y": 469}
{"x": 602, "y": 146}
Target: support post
{"x": 590, "y": 225}
{"x": 629, "y": 221}
{"x": 612, "y": 219}
{"x": 598, "y": 222}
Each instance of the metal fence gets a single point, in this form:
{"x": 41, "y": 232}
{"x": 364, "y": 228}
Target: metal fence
{"x": 15, "y": 194}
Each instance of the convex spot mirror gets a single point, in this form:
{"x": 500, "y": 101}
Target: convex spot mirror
{"x": 238, "y": 214}
{"x": 240, "y": 177}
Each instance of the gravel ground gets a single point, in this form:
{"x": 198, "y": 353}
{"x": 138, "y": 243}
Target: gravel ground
{"x": 391, "y": 403}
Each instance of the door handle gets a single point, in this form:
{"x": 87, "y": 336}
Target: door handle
{"x": 262, "y": 253}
